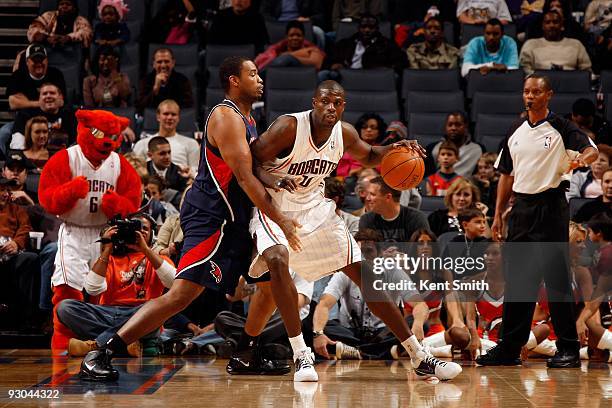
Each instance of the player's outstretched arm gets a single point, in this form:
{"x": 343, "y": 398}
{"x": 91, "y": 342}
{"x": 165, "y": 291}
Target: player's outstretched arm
{"x": 371, "y": 156}
{"x": 226, "y": 130}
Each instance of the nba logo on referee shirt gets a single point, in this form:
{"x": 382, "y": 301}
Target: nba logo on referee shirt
{"x": 547, "y": 141}
{"x": 216, "y": 272}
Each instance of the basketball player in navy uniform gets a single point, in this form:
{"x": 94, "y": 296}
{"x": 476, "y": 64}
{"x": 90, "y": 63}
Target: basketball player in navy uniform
{"x": 214, "y": 218}
{"x": 302, "y": 149}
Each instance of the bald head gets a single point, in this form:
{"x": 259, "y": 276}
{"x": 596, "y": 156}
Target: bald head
{"x": 329, "y": 86}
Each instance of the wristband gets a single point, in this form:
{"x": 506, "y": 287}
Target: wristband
{"x": 316, "y": 334}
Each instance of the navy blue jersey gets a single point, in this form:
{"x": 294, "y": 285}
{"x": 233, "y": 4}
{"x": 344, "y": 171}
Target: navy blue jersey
{"x": 215, "y": 191}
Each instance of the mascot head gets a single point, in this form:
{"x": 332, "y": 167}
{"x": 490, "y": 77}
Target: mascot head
{"x": 99, "y": 133}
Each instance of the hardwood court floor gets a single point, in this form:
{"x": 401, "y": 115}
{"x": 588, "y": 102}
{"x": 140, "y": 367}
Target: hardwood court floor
{"x": 202, "y": 382}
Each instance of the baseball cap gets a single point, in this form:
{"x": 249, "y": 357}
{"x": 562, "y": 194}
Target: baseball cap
{"x": 15, "y": 159}
{"x": 36, "y": 50}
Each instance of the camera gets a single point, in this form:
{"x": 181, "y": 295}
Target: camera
{"x": 126, "y": 233}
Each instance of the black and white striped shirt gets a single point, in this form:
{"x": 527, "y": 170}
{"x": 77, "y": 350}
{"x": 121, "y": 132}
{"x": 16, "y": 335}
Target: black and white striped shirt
{"x": 538, "y": 155}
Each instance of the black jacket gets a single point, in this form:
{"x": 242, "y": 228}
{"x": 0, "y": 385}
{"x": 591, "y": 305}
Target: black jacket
{"x": 380, "y": 53}
{"x": 173, "y": 178}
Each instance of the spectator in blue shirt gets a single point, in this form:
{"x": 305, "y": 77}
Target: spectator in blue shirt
{"x": 493, "y": 51}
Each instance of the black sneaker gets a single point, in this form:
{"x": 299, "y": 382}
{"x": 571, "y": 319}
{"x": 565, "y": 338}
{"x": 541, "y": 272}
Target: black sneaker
{"x": 250, "y": 362}
{"x": 564, "y": 359}
{"x": 497, "y": 357}
{"x": 96, "y": 366}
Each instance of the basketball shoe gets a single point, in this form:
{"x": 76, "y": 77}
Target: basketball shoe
{"x": 346, "y": 352}
{"x": 425, "y": 366}
{"x": 250, "y": 362}
{"x": 96, "y": 366}
{"x": 304, "y": 366}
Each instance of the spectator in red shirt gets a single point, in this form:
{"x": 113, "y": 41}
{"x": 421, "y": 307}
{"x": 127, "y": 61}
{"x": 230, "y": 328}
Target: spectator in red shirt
{"x": 125, "y": 278}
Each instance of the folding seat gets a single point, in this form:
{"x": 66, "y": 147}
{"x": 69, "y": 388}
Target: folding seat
{"x": 509, "y": 81}
{"x": 426, "y": 124}
{"x": 443, "y": 80}
{"x": 382, "y": 103}
{"x": 505, "y": 103}
{"x": 370, "y": 80}
{"x": 492, "y": 129}
{"x": 561, "y": 103}
{"x": 606, "y": 82}
{"x": 434, "y": 102}
{"x": 568, "y": 81}
{"x": 304, "y": 78}
{"x": 281, "y": 101}
{"x": 215, "y": 54}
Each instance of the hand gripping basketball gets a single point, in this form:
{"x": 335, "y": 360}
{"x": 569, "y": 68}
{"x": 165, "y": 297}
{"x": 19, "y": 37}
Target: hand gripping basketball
{"x": 403, "y": 168}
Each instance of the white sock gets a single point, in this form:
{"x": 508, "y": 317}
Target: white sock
{"x": 606, "y": 341}
{"x": 435, "y": 340}
{"x": 532, "y": 342}
{"x": 412, "y": 345}
{"x": 584, "y": 354}
{"x": 546, "y": 348}
{"x": 297, "y": 344}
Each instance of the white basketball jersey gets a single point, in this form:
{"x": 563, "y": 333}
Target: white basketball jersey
{"x": 308, "y": 165}
{"x": 87, "y": 212}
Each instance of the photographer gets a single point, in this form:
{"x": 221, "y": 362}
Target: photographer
{"x": 127, "y": 274}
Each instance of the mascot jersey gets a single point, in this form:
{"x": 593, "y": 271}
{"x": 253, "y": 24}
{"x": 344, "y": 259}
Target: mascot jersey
{"x": 87, "y": 211}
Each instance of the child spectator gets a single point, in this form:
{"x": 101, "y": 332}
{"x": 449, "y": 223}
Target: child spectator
{"x": 472, "y": 242}
{"x": 486, "y": 179}
{"x": 159, "y": 208}
{"x": 111, "y": 30}
{"x": 438, "y": 183}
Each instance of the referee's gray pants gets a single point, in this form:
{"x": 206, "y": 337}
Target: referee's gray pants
{"x": 536, "y": 252}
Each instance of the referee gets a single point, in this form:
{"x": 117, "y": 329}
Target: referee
{"x": 537, "y": 154}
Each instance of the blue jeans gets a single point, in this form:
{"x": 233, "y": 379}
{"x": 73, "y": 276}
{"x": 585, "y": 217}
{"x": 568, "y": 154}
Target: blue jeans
{"x": 47, "y": 258}
{"x": 97, "y": 322}
{"x": 6, "y": 132}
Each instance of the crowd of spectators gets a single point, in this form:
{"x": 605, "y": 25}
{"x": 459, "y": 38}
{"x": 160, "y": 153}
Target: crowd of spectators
{"x": 459, "y": 176}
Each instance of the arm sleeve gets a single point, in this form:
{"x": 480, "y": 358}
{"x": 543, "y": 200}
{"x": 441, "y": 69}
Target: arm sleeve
{"x": 166, "y": 273}
{"x": 575, "y": 184}
{"x": 22, "y": 235}
{"x": 511, "y": 57}
{"x": 504, "y": 162}
{"x": 95, "y": 284}
{"x": 462, "y": 5}
{"x": 502, "y": 11}
{"x": 584, "y": 62}
{"x": 527, "y": 59}
{"x": 574, "y": 138}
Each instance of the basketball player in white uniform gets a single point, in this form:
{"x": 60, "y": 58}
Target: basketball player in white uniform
{"x": 76, "y": 247}
{"x": 296, "y": 153}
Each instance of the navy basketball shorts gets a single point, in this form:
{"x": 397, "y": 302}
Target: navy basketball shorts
{"x": 214, "y": 254}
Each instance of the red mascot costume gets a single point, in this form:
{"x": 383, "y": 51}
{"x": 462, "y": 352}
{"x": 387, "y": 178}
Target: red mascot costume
{"x": 85, "y": 185}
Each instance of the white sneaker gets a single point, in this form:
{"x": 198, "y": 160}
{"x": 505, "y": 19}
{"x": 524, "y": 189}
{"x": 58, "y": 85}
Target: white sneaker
{"x": 426, "y": 366}
{"x": 346, "y": 352}
{"x": 304, "y": 366}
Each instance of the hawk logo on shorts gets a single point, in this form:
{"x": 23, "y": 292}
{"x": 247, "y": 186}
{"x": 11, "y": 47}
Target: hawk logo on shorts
{"x": 216, "y": 272}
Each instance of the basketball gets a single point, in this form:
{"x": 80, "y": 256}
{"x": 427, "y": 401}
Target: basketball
{"x": 402, "y": 168}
